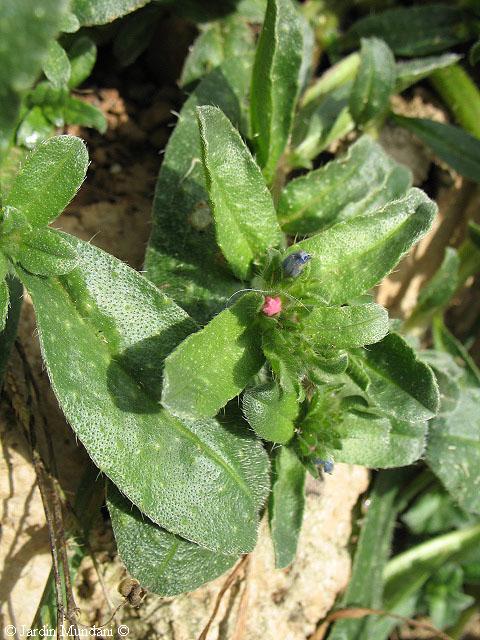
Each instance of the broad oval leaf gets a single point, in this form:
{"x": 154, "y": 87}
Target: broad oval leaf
{"x": 286, "y": 505}
{"x": 271, "y": 411}
{"x": 414, "y": 31}
{"x": 374, "y": 82}
{"x": 275, "y": 82}
{"x": 162, "y": 562}
{"x": 104, "y": 333}
{"x": 215, "y": 364}
{"x": 451, "y": 144}
{"x": 346, "y": 327}
{"x": 364, "y": 179}
{"x": 245, "y": 219}
{"x": 50, "y": 177}
{"x": 400, "y": 383}
{"x": 352, "y": 256}
{"x": 453, "y": 451}
{"x": 91, "y": 12}
{"x": 183, "y": 254}
{"x": 56, "y": 65}
{"x": 46, "y": 253}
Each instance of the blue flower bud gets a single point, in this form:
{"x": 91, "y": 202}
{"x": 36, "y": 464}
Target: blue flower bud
{"x": 294, "y": 264}
{"x": 327, "y": 465}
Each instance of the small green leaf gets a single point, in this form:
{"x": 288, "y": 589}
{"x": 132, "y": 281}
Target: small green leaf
{"x": 441, "y": 287}
{"x": 4, "y": 303}
{"x": 82, "y": 55}
{"x": 45, "y": 252}
{"x": 162, "y": 562}
{"x": 414, "y": 31}
{"x": 217, "y": 42}
{"x": 104, "y": 356}
{"x": 91, "y": 12}
{"x": 379, "y": 442}
{"x": 352, "y": 256}
{"x": 245, "y": 218}
{"x": 275, "y": 82}
{"x": 76, "y": 111}
{"x": 453, "y": 451}
{"x": 411, "y": 71}
{"x": 400, "y": 384}
{"x": 56, "y": 65}
{"x": 448, "y": 375}
{"x": 286, "y": 505}
{"x": 361, "y": 181}
{"x": 49, "y": 178}
{"x": 270, "y": 411}
{"x": 443, "y": 340}
{"x": 374, "y": 82}
{"x": 34, "y": 128}
{"x": 215, "y": 364}
{"x": 69, "y": 23}
{"x": 451, "y": 144}
{"x": 135, "y": 33}
{"x": 346, "y": 327}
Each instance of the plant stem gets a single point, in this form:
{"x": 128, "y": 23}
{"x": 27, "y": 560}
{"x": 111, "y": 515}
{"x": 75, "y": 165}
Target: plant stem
{"x": 461, "y": 96}
{"x": 337, "y": 75}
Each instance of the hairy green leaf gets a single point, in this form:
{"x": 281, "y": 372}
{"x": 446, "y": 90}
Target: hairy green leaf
{"x": 346, "y": 327}
{"x": 451, "y": 144}
{"x": 34, "y": 128}
{"x": 245, "y": 219}
{"x": 270, "y": 411}
{"x": 441, "y": 287}
{"x": 352, "y": 256}
{"x": 104, "y": 355}
{"x": 91, "y": 12}
{"x": 414, "y": 31}
{"x": 445, "y": 341}
{"x": 82, "y": 55}
{"x": 218, "y": 41}
{"x": 448, "y": 375}
{"x": 69, "y": 23}
{"x": 162, "y": 562}
{"x": 374, "y": 82}
{"x": 183, "y": 254}
{"x": 411, "y": 71}
{"x": 49, "y": 178}
{"x": 275, "y": 82}
{"x": 46, "y": 253}
{"x": 400, "y": 384}
{"x": 56, "y": 65}
{"x": 453, "y": 451}
{"x": 214, "y": 365}
{"x": 363, "y": 180}
{"x": 286, "y": 505}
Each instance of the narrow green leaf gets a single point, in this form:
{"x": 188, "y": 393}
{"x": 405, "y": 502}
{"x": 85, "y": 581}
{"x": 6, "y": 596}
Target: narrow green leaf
{"x": 451, "y": 144}
{"x": 453, "y": 451}
{"x": 56, "y": 65}
{"x": 4, "y": 303}
{"x": 91, "y": 12}
{"x": 49, "y": 178}
{"x": 352, "y": 256}
{"x": 437, "y": 292}
{"x": 270, "y": 411}
{"x": 346, "y": 327}
{"x": 215, "y": 364}
{"x": 183, "y": 254}
{"x": 443, "y": 340}
{"x": 414, "y": 31}
{"x": 245, "y": 218}
{"x": 104, "y": 356}
{"x": 218, "y": 41}
{"x": 46, "y": 253}
{"x": 379, "y": 442}
{"x": 76, "y": 111}
{"x": 286, "y": 505}
{"x": 411, "y": 71}
{"x": 162, "y": 562}
{"x": 26, "y": 31}
{"x": 374, "y": 82}
{"x": 400, "y": 384}
{"x": 82, "y": 55}
{"x": 275, "y": 82}
{"x": 364, "y": 179}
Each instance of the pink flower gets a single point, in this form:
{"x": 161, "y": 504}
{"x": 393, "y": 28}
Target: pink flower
{"x": 272, "y": 306}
